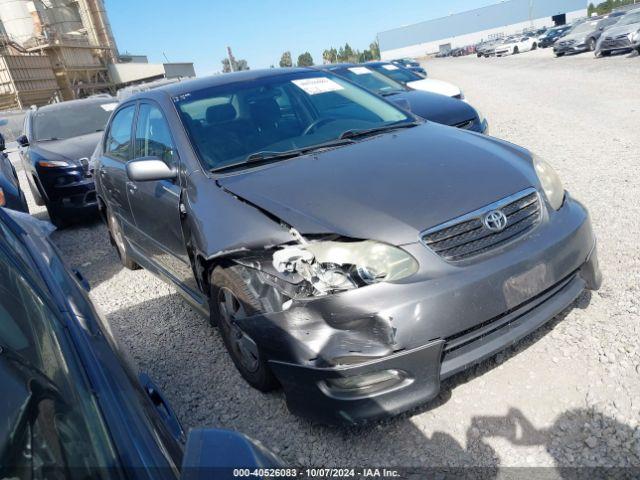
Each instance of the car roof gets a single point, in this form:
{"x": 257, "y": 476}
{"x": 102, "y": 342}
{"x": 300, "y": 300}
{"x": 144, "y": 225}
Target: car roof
{"x": 70, "y": 103}
{"x": 188, "y": 86}
{"x": 336, "y": 66}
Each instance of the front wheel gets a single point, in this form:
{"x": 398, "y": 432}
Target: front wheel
{"x": 57, "y": 216}
{"x": 534, "y": 46}
{"x": 231, "y": 299}
{"x": 516, "y": 50}
{"x": 559, "y": 54}
{"x": 592, "y": 44}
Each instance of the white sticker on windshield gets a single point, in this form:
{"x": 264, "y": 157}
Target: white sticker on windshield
{"x": 390, "y": 67}
{"x": 360, "y": 70}
{"x": 314, "y": 86}
{"x": 109, "y": 107}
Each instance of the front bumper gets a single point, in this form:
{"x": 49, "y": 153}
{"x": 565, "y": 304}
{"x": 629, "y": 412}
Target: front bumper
{"x": 449, "y": 318}
{"x": 574, "y": 48}
{"x": 620, "y": 43}
{"x": 69, "y": 189}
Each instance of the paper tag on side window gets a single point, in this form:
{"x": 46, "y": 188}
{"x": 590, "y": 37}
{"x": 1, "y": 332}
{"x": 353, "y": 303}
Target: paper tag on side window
{"x": 389, "y": 67}
{"x": 109, "y": 107}
{"x": 314, "y": 86}
{"x": 359, "y": 70}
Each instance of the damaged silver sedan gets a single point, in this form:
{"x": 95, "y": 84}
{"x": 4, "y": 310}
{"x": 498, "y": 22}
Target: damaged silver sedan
{"x": 347, "y": 251}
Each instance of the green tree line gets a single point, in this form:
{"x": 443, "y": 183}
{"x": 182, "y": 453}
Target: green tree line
{"x": 607, "y": 6}
{"x": 332, "y": 55}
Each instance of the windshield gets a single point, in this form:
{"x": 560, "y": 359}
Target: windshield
{"x": 630, "y": 19}
{"x": 233, "y": 123}
{"x": 371, "y": 80}
{"x": 73, "y": 119}
{"x": 583, "y": 28}
{"x": 396, "y": 73}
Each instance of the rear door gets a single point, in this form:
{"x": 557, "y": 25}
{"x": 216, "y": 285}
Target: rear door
{"x": 156, "y": 204}
{"x": 117, "y": 151}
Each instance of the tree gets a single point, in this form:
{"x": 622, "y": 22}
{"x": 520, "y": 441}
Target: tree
{"x": 374, "y": 48}
{"x": 330, "y": 56}
{"x": 348, "y": 52}
{"x": 285, "y": 60}
{"x": 238, "y": 65}
{"x": 305, "y": 60}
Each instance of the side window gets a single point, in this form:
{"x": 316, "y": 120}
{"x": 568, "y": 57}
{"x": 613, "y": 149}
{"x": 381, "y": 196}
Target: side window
{"x": 59, "y": 412}
{"x": 118, "y": 143}
{"x": 153, "y": 137}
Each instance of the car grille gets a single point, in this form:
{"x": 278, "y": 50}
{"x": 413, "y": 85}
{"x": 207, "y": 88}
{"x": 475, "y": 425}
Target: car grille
{"x": 621, "y": 41}
{"x": 467, "y": 236}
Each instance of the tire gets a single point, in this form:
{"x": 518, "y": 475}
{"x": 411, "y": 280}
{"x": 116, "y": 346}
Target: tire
{"x": 231, "y": 298}
{"x": 603, "y": 53}
{"x": 119, "y": 242}
{"x": 516, "y": 50}
{"x": 56, "y": 217}
{"x": 559, "y": 54}
{"x": 592, "y": 44}
{"x": 534, "y": 46}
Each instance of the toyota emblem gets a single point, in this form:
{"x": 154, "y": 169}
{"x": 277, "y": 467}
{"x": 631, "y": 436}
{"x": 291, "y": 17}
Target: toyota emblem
{"x": 495, "y": 220}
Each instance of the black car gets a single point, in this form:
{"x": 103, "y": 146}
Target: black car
{"x": 553, "y": 34}
{"x": 11, "y": 195}
{"x": 430, "y": 106}
{"x": 55, "y": 148}
{"x": 346, "y": 250}
{"x": 71, "y": 408}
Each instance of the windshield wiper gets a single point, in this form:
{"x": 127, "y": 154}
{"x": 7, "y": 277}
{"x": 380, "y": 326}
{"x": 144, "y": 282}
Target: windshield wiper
{"x": 268, "y": 155}
{"x": 370, "y": 131}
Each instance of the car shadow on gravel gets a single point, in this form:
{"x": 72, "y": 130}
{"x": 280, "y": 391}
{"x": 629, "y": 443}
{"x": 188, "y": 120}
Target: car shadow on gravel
{"x": 86, "y": 247}
{"x": 584, "y": 443}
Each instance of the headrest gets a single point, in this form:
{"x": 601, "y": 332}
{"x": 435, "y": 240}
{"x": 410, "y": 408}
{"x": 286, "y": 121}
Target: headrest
{"x": 265, "y": 110}
{"x": 221, "y": 113}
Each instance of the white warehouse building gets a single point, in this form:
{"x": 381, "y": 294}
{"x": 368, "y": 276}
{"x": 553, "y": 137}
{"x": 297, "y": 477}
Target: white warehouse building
{"x": 473, "y": 26}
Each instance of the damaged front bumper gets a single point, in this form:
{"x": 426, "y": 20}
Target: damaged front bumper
{"x": 380, "y": 350}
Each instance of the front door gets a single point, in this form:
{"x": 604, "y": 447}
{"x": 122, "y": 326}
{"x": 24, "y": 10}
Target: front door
{"x": 118, "y": 149}
{"x": 156, "y": 204}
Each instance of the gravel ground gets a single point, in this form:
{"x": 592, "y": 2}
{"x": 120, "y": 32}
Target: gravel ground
{"x": 566, "y": 396}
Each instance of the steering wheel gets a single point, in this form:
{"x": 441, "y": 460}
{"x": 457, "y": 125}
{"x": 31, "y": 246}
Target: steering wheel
{"x": 317, "y": 124}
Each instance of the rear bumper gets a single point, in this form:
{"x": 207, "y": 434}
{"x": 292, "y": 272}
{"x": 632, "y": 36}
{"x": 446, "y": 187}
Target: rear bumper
{"x": 426, "y": 330}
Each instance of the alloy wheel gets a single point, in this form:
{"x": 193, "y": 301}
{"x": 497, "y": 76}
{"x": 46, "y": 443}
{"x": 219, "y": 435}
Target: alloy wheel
{"x": 244, "y": 348}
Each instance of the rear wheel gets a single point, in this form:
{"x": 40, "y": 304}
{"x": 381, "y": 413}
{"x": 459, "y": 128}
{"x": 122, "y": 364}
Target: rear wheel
{"x": 118, "y": 241}
{"x": 516, "y": 50}
{"x": 230, "y": 300}
{"x": 592, "y": 44}
{"x": 534, "y": 46}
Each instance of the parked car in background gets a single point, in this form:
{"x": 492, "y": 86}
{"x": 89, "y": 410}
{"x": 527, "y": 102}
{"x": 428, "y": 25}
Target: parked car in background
{"x": 553, "y": 34}
{"x": 55, "y": 148}
{"x": 415, "y": 81}
{"x": 410, "y": 64}
{"x": 580, "y": 38}
{"x": 624, "y": 35}
{"x": 11, "y": 195}
{"x": 430, "y": 106}
{"x": 516, "y": 44}
{"x": 487, "y": 49}
{"x": 71, "y": 407}
{"x": 347, "y": 251}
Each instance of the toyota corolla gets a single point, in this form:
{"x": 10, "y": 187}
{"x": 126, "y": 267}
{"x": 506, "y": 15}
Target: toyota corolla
{"x": 347, "y": 251}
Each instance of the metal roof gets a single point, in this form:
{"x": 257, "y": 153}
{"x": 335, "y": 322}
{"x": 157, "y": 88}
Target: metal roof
{"x": 508, "y": 12}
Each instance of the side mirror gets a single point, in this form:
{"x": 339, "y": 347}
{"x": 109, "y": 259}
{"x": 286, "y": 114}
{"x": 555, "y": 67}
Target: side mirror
{"x": 149, "y": 169}
{"x": 23, "y": 141}
{"x": 217, "y": 453}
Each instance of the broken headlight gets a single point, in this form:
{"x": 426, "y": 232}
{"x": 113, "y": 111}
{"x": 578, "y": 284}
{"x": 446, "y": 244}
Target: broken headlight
{"x": 333, "y": 266}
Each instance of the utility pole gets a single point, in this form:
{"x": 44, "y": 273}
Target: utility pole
{"x": 231, "y": 59}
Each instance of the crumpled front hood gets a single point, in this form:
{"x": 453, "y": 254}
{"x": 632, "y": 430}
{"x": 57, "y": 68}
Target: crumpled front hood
{"x": 387, "y": 188}
{"x": 437, "y": 108}
{"x": 70, "y": 149}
